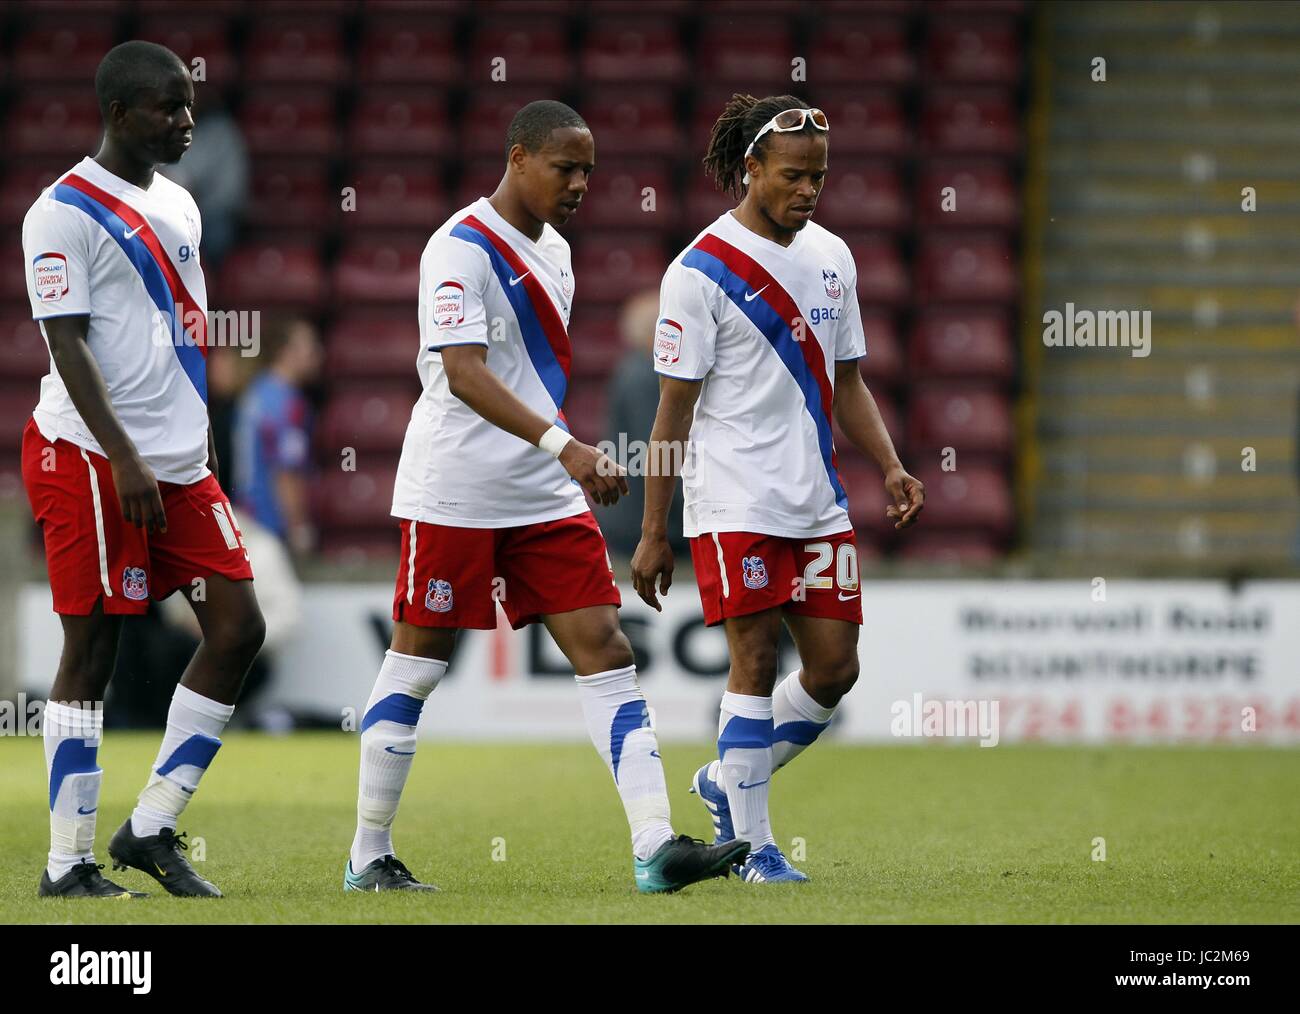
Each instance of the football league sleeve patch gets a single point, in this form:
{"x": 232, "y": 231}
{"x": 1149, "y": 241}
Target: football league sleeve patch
{"x": 686, "y": 330}
{"x": 55, "y": 248}
{"x": 455, "y": 279}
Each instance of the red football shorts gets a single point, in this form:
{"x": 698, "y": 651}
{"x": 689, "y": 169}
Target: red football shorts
{"x": 454, "y": 577}
{"x": 92, "y": 552}
{"x": 742, "y": 572}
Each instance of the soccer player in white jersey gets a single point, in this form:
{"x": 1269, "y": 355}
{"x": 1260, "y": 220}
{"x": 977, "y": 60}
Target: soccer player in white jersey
{"x": 119, "y": 468}
{"x": 757, "y": 346}
{"x": 490, "y": 503}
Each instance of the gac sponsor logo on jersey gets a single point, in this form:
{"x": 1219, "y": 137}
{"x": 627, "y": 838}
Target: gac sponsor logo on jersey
{"x": 449, "y": 304}
{"x": 832, "y": 282}
{"x": 438, "y": 598}
{"x": 50, "y": 272}
{"x": 668, "y": 342}
{"x": 755, "y": 571}
{"x": 820, "y": 313}
{"x": 135, "y": 583}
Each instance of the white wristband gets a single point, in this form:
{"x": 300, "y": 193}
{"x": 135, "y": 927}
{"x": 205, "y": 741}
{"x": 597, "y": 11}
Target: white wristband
{"x": 554, "y": 441}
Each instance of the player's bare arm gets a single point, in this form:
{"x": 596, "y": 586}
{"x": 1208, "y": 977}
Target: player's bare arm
{"x": 137, "y": 489}
{"x": 653, "y": 560}
{"x": 472, "y": 382}
{"x": 856, "y": 412}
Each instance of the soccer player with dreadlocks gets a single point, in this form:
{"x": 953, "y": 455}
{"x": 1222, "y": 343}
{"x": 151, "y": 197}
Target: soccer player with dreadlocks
{"x": 757, "y": 346}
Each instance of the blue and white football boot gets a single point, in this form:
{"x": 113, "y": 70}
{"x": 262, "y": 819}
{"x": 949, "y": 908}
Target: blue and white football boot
{"x": 769, "y": 866}
{"x": 714, "y": 797}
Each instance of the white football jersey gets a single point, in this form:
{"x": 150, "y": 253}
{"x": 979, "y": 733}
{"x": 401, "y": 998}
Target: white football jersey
{"x": 761, "y": 326}
{"x": 97, "y": 245}
{"x": 483, "y": 282}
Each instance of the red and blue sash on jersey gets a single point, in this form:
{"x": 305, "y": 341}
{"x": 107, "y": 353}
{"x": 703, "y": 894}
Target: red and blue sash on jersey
{"x": 545, "y": 337}
{"x": 160, "y": 277}
{"x": 762, "y": 299}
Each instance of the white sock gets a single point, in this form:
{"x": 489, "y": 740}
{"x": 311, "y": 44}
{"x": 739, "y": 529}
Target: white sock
{"x": 745, "y": 768}
{"x": 72, "y": 738}
{"x": 618, "y": 722}
{"x": 192, "y": 739}
{"x": 797, "y": 720}
{"x": 388, "y": 749}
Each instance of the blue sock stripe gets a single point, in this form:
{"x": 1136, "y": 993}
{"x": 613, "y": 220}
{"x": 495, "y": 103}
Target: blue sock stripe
{"x": 745, "y": 733}
{"x": 630, "y": 716}
{"x": 400, "y": 708}
{"x": 198, "y": 751}
{"x": 800, "y": 733}
{"x": 71, "y": 757}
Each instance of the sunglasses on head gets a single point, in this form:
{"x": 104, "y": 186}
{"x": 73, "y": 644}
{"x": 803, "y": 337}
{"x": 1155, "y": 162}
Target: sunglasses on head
{"x": 788, "y": 121}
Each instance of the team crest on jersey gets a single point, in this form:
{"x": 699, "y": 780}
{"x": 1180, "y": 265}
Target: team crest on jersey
{"x": 755, "y": 571}
{"x": 449, "y": 304}
{"x": 438, "y": 598}
{"x": 832, "y": 282}
{"x": 50, "y": 272}
{"x": 566, "y": 284}
{"x": 668, "y": 342}
{"x": 135, "y": 584}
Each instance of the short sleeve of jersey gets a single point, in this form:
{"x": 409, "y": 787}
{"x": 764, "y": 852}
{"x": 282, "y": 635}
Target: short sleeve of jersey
{"x": 850, "y": 340}
{"x": 56, "y": 252}
{"x": 454, "y": 276}
{"x": 686, "y": 331}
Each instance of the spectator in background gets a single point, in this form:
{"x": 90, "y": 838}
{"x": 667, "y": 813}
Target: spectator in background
{"x": 215, "y": 172}
{"x": 633, "y": 400}
{"x": 273, "y": 435}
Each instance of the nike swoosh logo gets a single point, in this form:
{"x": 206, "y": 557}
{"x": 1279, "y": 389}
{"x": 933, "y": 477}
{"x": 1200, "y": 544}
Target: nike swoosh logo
{"x": 751, "y": 296}
{"x": 400, "y": 753}
{"x": 161, "y": 871}
{"x": 655, "y": 753}
{"x": 742, "y": 785}
{"x": 516, "y": 281}
{"x": 845, "y": 598}
{"x": 87, "y": 813}
{"x": 128, "y": 235}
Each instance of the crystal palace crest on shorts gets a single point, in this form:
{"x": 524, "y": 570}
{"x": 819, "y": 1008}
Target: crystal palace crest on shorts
{"x": 438, "y": 598}
{"x": 135, "y": 584}
{"x": 755, "y": 572}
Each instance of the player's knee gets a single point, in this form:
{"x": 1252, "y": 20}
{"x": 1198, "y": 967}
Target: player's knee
{"x": 239, "y": 637}
{"x": 837, "y": 678}
{"x": 617, "y": 650}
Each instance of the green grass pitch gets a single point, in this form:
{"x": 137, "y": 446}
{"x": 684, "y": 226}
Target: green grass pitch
{"x": 892, "y": 834}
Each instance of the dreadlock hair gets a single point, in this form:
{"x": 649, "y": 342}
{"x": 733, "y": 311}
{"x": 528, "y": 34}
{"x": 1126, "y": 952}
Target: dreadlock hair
{"x": 741, "y": 119}
{"x": 533, "y": 124}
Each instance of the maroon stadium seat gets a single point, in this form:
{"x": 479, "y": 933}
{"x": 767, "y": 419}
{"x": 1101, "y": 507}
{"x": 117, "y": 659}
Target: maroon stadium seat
{"x": 272, "y": 274}
{"x": 289, "y": 195}
{"x": 360, "y": 499}
{"x": 882, "y": 279}
{"x": 983, "y": 50}
{"x": 965, "y": 343}
{"x": 279, "y": 121}
{"x": 752, "y": 50}
{"x": 983, "y": 195}
{"x": 369, "y": 419}
{"x": 883, "y": 363}
{"x": 972, "y": 419}
{"x": 53, "y": 122}
{"x": 619, "y": 50}
{"x": 62, "y": 50}
{"x": 970, "y": 120}
{"x": 608, "y": 269}
{"x": 479, "y": 179}
{"x": 865, "y": 488}
{"x": 965, "y": 267}
{"x": 704, "y": 201}
{"x": 862, "y": 49}
{"x": 615, "y": 197}
{"x": 379, "y": 272}
{"x": 409, "y": 51}
{"x": 863, "y": 196}
{"x": 640, "y": 122}
{"x": 866, "y": 120}
{"x": 373, "y": 346}
{"x": 296, "y": 49}
{"x": 22, "y": 349}
{"x": 535, "y": 51}
{"x": 973, "y": 497}
{"x": 397, "y": 195}
{"x": 595, "y": 338}
{"x": 188, "y": 37}
{"x": 585, "y": 408}
{"x": 393, "y": 121}
{"x": 23, "y": 183}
